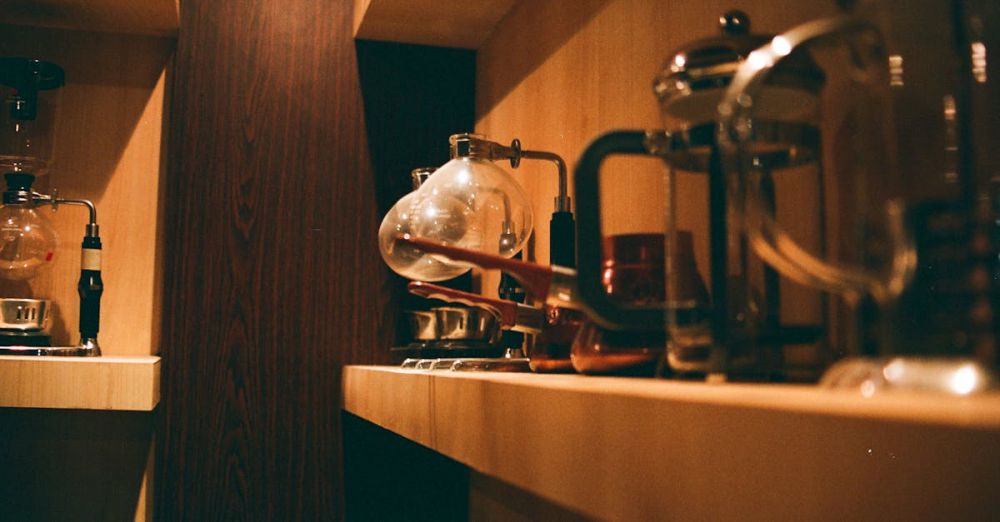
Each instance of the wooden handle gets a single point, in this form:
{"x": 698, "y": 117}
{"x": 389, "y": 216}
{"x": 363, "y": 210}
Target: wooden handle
{"x": 536, "y": 278}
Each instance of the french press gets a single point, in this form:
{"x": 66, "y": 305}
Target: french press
{"x": 926, "y": 290}
{"x": 737, "y": 331}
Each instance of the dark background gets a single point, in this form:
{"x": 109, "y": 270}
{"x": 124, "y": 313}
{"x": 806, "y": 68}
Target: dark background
{"x": 286, "y": 143}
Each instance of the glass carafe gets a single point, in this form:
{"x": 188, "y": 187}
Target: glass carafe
{"x": 912, "y": 155}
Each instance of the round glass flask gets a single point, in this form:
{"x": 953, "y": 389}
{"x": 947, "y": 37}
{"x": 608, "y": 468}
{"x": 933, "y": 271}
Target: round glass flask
{"x": 27, "y": 242}
{"x": 469, "y": 203}
{"x": 404, "y": 259}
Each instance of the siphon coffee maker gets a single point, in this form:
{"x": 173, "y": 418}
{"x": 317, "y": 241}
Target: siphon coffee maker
{"x": 737, "y": 332}
{"x": 29, "y": 90}
{"x": 924, "y": 280}
{"x": 472, "y": 203}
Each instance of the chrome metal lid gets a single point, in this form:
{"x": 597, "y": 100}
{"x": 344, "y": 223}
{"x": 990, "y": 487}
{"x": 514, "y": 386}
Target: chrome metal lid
{"x": 692, "y": 79}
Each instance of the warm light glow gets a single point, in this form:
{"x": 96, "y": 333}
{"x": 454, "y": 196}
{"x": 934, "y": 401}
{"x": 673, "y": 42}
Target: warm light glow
{"x": 894, "y": 370}
{"x": 760, "y": 59}
{"x": 964, "y": 380}
{"x": 680, "y": 61}
{"x": 781, "y": 46}
{"x": 979, "y": 61}
{"x": 895, "y": 70}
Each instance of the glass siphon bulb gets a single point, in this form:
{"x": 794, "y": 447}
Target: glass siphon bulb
{"x": 407, "y": 260}
{"x": 474, "y": 204}
{"x": 468, "y": 203}
{"x": 27, "y": 242}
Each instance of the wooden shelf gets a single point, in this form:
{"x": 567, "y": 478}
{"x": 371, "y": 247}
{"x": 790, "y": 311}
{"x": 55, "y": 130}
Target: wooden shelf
{"x": 152, "y": 17}
{"x": 85, "y": 383}
{"x": 634, "y": 449}
{"x": 465, "y": 24}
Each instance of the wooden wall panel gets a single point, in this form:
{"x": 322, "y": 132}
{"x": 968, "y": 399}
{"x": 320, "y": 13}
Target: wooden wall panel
{"x": 270, "y": 285}
{"x": 274, "y": 279}
{"x": 107, "y": 150}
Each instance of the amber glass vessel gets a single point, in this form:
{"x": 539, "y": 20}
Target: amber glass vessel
{"x": 549, "y": 351}
{"x": 634, "y": 274}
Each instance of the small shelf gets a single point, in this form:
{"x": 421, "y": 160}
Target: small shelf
{"x": 637, "y": 449}
{"x": 464, "y": 24}
{"x": 150, "y": 17}
{"x": 86, "y": 383}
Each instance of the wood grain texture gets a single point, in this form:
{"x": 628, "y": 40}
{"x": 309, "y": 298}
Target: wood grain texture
{"x": 274, "y": 279}
{"x": 152, "y": 17}
{"x": 108, "y": 149}
{"x": 642, "y": 449}
{"x": 86, "y": 383}
{"x": 465, "y": 23}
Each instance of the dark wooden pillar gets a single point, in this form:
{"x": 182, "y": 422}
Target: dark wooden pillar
{"x": 272, "y": 276}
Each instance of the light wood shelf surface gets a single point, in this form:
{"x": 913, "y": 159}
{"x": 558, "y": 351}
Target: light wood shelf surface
{"x": 152, "y": 17}
{"x": 464, "y": 24}
{"x": 634, "y": 449}
{"x": 86, "y": 383}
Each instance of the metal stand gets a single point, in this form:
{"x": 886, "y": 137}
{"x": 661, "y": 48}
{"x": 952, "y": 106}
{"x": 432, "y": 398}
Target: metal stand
{"x": 90, "y": 286}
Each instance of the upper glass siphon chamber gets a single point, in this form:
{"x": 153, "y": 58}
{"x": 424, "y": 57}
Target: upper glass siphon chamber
{"x": 469, "y": 203}
{"x": 29, "y": 96}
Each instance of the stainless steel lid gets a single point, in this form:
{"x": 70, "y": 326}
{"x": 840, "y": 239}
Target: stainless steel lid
{"x": 693, "y": 78}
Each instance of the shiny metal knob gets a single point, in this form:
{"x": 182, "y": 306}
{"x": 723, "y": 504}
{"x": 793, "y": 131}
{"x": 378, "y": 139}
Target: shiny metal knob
{"x": 734, "y": 22}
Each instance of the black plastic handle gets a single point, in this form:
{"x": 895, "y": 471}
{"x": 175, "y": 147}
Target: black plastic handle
{"x": 90, "y": 289}
{"x": 605, "y": 311}
{"x": 562, "y": 239}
